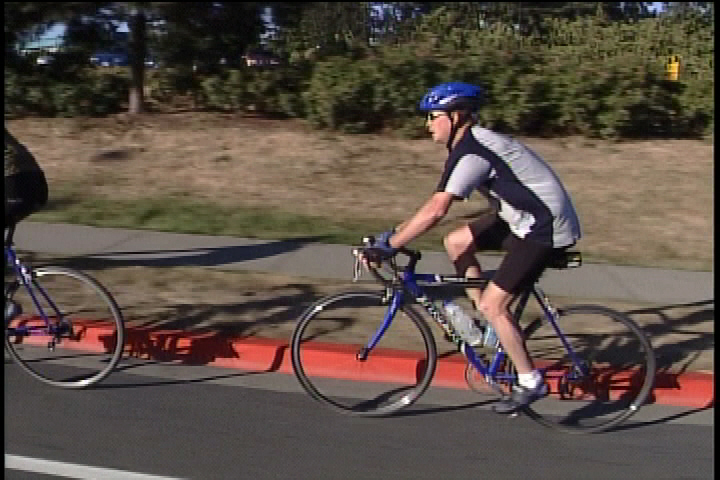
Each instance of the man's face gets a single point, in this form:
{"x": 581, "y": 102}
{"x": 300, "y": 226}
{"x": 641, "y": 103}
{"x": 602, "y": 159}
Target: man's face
{"x": 439, "y": 125}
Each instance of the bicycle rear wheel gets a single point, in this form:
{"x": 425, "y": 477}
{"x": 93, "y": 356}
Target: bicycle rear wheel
{"x": 610, "y": 378}
{"x": 328, "y": 342}
{"x": 83, "y": 341}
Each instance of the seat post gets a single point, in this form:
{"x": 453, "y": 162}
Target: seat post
{"x": 9, "y": 235}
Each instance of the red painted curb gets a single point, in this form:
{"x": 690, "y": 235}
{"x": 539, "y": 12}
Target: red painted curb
{"x": 692, "y": 389}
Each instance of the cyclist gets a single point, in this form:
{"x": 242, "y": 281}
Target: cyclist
{"x": 26, "y": 189}
{"x": 533, "y": 218}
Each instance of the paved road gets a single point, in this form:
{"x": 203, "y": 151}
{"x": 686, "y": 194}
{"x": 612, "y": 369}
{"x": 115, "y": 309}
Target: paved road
{"x": 176, "y": 421}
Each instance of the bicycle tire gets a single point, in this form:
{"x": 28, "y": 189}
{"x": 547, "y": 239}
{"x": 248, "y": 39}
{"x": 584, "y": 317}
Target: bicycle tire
{"x": 85, "y": 311}
{"x": 621, "y": 362}
{"x": 328, "y": 337}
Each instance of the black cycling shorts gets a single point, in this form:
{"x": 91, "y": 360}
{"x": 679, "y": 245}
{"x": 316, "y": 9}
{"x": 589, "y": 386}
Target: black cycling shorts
{"x": 524, "y": 261}
{"x": 25, "y": 193}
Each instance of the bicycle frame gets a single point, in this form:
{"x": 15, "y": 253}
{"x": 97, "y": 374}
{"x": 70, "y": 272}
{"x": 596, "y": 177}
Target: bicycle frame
{"x": 409, "y": 282}
{"x": 24, "y": 274}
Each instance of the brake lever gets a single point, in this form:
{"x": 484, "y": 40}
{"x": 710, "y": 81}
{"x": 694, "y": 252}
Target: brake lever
{"x": 357, "y": 265}
{"x": 360, "y": 264}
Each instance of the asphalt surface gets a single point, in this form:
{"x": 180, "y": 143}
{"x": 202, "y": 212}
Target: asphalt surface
{"x": 151, "y": 420}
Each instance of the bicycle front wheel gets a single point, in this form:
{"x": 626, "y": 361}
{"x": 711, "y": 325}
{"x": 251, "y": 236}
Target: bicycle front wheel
{"x": 328, "y": 347}
{"x": 82, "y": 340}
{"x": 607, "y": 377}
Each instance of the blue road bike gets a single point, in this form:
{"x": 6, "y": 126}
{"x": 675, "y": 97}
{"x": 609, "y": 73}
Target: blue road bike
{"x": 61, "y": 325}
{"x": 598, "y": 363}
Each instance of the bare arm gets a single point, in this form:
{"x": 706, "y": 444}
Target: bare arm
{"x": 424, "y": 219}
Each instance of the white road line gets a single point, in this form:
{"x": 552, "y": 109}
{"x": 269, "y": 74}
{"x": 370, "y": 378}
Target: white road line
{"x": 72, "y": 470}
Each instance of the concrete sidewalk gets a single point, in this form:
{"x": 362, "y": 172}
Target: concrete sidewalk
{"x": 311, "y": 259}
{"x": 693, "y": 387}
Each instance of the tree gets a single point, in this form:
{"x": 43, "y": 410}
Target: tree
{"x": 135, "y": 14}
{"x": 530, "y": 17}
{"x": 700, "y": 10}
{"x": 27, "y": 19}
{"x": 137, "y": 47}
{"x": 393, "y": 22}
{"x": 193, "y": 32}
{"x": 325, "y": 27}
{"x": 204, "y": 33}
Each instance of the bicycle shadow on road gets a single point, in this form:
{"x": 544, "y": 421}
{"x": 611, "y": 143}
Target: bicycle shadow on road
{"x": 631, "y": 425}
{"x": 675, "y": 342}
{"x": 683, "y": 340}
{"x": 147, "y": 347}
{"x": 153, "y": 381}
{"x": 189, "y": 257}
{"x": 266, "y": 314}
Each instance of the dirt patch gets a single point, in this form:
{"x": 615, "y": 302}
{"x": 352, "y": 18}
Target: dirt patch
{"x": 647, "y": 203}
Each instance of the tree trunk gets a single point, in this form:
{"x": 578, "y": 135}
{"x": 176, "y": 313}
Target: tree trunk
{"x": 137, "y": 53}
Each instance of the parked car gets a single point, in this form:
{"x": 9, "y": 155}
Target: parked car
{"x": 109, "y": 59}
{"x": 45, "y": 60}
{"x": 151, "y": 62}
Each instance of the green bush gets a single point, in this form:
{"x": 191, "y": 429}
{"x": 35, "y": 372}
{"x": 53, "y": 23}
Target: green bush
{"x": 277, "y": 91}
{"x": 340, "y": 95}
{"x": 109, "y": 92}
{"x": 271, "y": 91}
{"x": 589, "y": 76}
{"x": 16, "y": 94}
{"x": 226, "y": 91}
{"x": 369, "y": 94}
{"x": 159, "y": 86}
{"x": 90, "y": 93}
{"x": 527, "y": 94}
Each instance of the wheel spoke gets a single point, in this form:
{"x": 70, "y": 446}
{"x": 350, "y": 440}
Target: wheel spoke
{"x": 76, "y": 337}
{"x": 333, "y": 364}
{"x": 611, "y": 371}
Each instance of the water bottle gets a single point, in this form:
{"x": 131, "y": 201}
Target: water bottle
{"x": 463, "y": 323}
{"x": 490, "y": 340}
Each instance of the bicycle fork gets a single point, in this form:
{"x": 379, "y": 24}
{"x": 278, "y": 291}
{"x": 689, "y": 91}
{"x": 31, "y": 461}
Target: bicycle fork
{"x": 26, "y": 276}
{"x": 396, "y": 298}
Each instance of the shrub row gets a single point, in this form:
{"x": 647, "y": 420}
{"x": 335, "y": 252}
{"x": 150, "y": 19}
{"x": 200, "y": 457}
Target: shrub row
{"x": 620, "y": 98}
{"x": 532, "y": 91}
{"x": 90, "y": 93}
{"x": 268, "y": 91}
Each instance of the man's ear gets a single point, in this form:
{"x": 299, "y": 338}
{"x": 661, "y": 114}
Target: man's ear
{"x": 458, "y": 116}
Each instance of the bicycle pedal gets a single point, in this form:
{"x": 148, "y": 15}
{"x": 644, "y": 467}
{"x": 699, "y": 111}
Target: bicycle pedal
{"x": 65, "y": 330}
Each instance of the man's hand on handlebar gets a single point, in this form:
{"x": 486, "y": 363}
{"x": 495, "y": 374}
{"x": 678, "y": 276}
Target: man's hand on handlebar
{"x": 382, "y": 244}
{"x": 371, "y": 256}
{"x": 377, "y": 249}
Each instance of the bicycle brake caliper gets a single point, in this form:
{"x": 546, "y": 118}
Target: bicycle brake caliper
{"x": 388, "y": 295}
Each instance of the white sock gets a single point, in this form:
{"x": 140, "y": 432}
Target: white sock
{"x": 530, "y": 380}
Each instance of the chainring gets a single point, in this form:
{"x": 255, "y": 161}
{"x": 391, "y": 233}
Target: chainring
{"x": 479, "y": 384}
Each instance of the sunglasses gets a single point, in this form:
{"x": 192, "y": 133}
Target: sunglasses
{"x": 433, "y": 115}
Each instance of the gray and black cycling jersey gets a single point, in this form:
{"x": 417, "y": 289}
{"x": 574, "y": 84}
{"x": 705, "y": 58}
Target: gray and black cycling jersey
{"x": 531, "y": 198}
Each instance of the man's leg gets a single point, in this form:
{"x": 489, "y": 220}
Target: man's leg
{"x": 518, "y": 267}
{"x": 521, "y": 266}
{"x": 494, "y": 305}
{"x": 531, "y": 385}
{"x": 460, "y": 246}
{"x": 493, "y": 302}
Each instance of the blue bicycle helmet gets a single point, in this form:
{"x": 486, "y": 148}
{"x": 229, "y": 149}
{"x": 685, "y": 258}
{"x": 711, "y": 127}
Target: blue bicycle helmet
{"x": 451, "y": 96}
